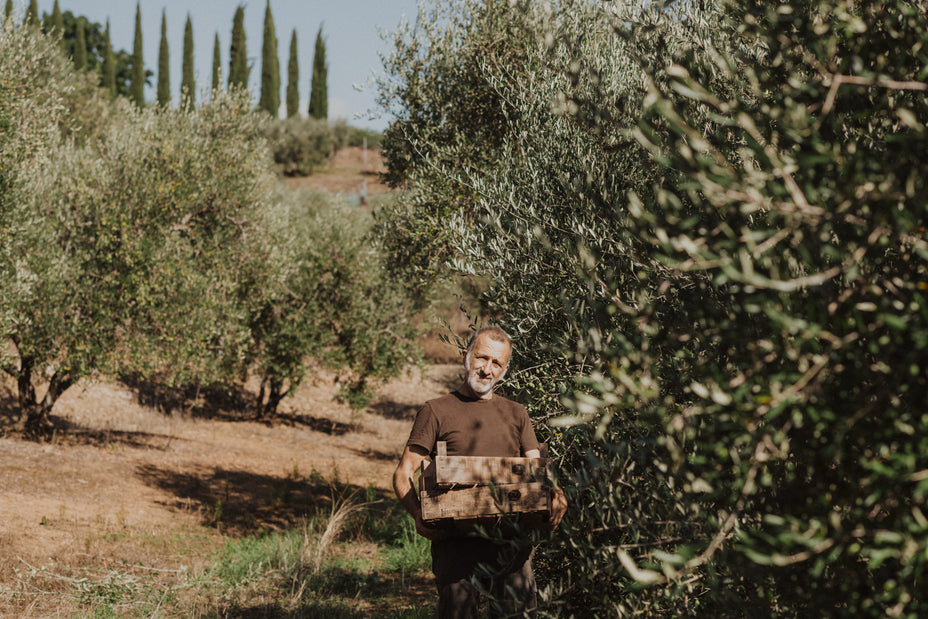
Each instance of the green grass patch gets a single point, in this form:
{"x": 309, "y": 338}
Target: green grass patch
{"x": 352, "y": 560}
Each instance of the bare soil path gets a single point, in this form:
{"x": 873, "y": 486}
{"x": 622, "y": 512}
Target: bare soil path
{"x": 128, "y": 484}
{"x": 351, "y": 172}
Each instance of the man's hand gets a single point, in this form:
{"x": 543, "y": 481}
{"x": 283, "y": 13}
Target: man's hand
{"x": 428, "y": 531}
{"x": 403, "y": 485}
{"x": 558, "y": 507}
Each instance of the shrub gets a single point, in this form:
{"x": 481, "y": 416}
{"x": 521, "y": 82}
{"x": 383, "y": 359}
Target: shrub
{"x": 346, "y": 135}
{"x": 299, "y": 145}
{"x": 323, "y": 296}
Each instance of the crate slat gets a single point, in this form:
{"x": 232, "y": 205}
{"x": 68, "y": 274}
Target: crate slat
{"x": 450, "y": 471}
{"x": 487, "y": 500}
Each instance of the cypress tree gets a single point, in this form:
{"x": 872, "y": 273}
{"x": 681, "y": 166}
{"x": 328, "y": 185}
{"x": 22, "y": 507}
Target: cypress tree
{"x": 188, "y": 84}
{"x": 270, "y": 67}
{"x": 318, "y": 93}
{"x": 8, "y": 10}
{"x": 164, "y": 65}
{"x": 238, "y": 52}
{"x": 217, "y": 65}
{"x": 293, "y": 80}
{"x": 137, "y": 83}
{"x": 57, "y": 20}
{"x": 80, "y": 46}
{"x": 32, "y": 13}
{"x": 109, "y": 62}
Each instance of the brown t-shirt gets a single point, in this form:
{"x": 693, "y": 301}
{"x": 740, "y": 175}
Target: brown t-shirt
{"x": 471, "y": 427}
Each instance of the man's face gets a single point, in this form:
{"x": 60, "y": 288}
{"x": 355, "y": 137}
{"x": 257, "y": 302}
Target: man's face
{"x": 485, "y": 365}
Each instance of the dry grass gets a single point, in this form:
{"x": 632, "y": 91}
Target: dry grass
{"x": 153, "y": 493}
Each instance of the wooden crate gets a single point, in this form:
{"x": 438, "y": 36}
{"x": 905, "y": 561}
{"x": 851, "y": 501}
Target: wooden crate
{"x": 472, "y": 487}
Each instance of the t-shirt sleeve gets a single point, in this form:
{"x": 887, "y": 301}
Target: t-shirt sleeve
{"x": 528, "y": 439}
{"x": 424, "y": 431}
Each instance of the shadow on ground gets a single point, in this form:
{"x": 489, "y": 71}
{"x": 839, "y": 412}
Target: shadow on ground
{"x": 316, "y": 424}
{"x": 200, "y": 401}
{"x": 223, "y": 403}
{"x": 373, "y": 454}
{"x": 242, "y": 503}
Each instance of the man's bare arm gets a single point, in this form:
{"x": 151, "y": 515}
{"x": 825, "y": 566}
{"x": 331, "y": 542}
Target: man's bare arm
{"x": 405, "y": 488}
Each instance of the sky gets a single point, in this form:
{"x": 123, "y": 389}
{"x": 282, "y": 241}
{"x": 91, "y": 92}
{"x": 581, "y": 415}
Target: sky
{"x": 349, "y": 27}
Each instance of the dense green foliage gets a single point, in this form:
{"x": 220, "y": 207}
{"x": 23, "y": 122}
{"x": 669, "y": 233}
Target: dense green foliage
{"x": 56, "y": 21}
{"x": 188, "y": 83}
{"x": 96, "y": 44}
{"x": 216, "y": 83}
{"x": 319, "y": 85}
{"x": 322, "y": 260}
{"x": 270, "y": 67}
{"x": 239, "y": 69}
{"x": 80, "y": 47}
{"x": 300, "y": 145}
{"x": 152, "y": 244}
{"x": 164, "y": 64}
{"x": 705, "y": 225}
{"x": 293, "y": 79}
{"x": 108, "y": 79}
{"x": 32, "y": 13}
{"x": 138, "y": 78}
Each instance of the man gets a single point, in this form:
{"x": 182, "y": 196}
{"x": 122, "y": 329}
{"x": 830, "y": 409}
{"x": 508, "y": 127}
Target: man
{"x": 474, "y": 421}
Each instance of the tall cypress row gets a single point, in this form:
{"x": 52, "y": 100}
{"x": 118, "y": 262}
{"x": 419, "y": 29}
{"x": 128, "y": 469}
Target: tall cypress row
{"x": 293, "y": 79}
{"x": 80, "y": 46}
{"x": 137, "y": 82}
{"x": 238, "y": 53}
{"x": 32, "y": 13}
{"x": 217, "y": 65}
{"x": 318, "y": 93}
{"x": 188, "y": 84}
{"x": 57, "y": 20}
{"x": 109, "y": 62}
{"x": 270, "y": 67}
{"x": 164, "y": 65}
{"x": 8, "y": 10}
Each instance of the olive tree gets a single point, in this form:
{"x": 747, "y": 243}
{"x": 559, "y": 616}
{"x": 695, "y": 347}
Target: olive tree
{"x": 324, "y": 297}
{"x": 124, "y": 251}
{"x": 704, "y": 224}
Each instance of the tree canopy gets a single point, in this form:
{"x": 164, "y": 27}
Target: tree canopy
{"x": 239, "y": 69}
{"x": 319, "y": 88}
{"x": 703, "y": 223}
{"x": 138, "y": 77}
{"x": 293, "y": 79}
{"x": 270, "y": 67}
{"x": 164, "y": 64}
{"x": 188, "y": 83}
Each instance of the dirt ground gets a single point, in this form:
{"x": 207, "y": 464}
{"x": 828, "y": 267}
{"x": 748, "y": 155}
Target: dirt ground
{"x": 127, "y": 483}
{"x": 352, "y": 172}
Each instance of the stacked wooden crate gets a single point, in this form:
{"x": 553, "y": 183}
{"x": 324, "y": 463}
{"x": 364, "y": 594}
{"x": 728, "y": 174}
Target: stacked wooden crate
{"x": 468, "y": 488}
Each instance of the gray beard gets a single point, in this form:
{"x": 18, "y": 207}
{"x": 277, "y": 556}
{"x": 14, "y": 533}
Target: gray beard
{"x": 479, "y": 387}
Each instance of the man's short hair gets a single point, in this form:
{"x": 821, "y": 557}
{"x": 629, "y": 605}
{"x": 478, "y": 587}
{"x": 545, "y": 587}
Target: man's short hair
{"x": 493, "y": 332}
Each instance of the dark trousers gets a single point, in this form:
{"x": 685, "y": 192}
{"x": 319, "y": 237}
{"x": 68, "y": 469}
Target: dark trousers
{"x": 502, "y": 570}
